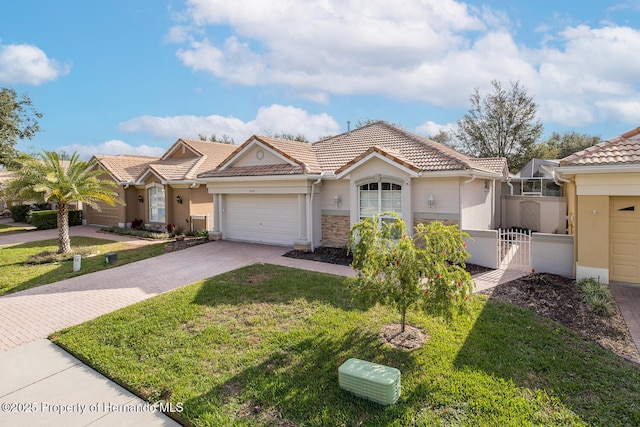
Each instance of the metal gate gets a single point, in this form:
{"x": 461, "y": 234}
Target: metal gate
{"x": 514, "y": 249}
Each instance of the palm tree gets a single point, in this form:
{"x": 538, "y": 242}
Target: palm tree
{"x": 61, "y": 179}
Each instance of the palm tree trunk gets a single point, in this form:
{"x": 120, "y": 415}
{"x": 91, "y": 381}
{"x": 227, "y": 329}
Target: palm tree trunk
{"x": 64, "y": 242}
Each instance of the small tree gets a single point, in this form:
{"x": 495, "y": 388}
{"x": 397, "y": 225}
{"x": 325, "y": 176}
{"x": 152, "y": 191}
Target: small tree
{"x": 426, "y": 269}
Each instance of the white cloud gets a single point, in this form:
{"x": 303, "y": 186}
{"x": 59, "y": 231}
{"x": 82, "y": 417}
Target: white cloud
{"x": 430, "y": 128}
{"x": 275, "y": 119}
{"x": 112, "y": 148}
{"x": 434, "y": 51}
{"x": 28, "y": 64}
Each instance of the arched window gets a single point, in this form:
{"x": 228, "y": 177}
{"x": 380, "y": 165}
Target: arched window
{"x": 380, "y": 197}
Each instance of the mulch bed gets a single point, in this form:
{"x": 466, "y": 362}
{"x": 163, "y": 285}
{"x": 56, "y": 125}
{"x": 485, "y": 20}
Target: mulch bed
{"x": 558, "y": 298}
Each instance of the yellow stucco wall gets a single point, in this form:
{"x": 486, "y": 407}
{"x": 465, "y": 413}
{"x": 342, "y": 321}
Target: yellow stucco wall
{"x": 593, "y": 226}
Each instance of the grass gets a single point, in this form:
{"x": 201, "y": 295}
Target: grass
{"x": 10, "y": 229}
{"x": 262, "y": 345}
{"x": 16, "y": 276}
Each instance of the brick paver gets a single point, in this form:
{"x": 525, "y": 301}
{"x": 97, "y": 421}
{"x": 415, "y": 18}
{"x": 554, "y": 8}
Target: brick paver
{"x": 628, "y": 299}
{"x": 37, "y": 312}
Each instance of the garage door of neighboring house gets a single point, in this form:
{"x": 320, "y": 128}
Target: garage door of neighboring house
{"x": 261, "y": 218}
{"x": 107, "y": 216}
{"x": 625, "y": 239}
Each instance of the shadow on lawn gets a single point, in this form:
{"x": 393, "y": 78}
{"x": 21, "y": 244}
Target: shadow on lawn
{"x": 269, "y": 283}
{"x": 298, "y": 385}
{"x": 535, "y": 353}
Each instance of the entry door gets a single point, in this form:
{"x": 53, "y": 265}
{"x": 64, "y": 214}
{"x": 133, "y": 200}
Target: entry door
{"x": 624, "y": 238}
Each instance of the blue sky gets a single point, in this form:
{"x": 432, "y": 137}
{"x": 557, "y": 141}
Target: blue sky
{"x": 122, "y": 76}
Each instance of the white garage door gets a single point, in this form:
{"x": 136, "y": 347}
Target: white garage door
{"x": 261, "y": 218}
{"x": 625, "y": 239}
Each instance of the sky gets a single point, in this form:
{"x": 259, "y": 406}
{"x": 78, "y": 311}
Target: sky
{"x": 133, "y": 76}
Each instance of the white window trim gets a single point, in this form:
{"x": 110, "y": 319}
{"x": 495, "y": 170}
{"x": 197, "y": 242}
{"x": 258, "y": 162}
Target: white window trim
{"x": 156, "y": 186}
{"x": 379, "y": 179}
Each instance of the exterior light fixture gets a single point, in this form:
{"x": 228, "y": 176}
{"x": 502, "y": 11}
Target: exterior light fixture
{"x": 179, "y": 199}
{"x": 431, "y": 201}
{"x": 141, "y": 199}
{"x": 337, "y": 200}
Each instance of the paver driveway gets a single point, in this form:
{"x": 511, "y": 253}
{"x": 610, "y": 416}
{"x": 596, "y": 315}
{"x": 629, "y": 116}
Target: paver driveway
{"x": 37, "y": 312}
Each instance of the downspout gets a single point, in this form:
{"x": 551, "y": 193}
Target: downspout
{"x": 510, "y": 186}
{"x": 310, "y": 210}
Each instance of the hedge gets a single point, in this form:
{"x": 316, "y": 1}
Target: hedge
{"x": 44, "y": 220}
{"x": 19, "y": 212}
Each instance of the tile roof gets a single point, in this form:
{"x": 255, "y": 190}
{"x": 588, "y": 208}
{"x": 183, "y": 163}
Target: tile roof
{"x": 624, "y": 149}
{"x": 125, "y": 167}
{"x": 337, "y": 153}
{"x": 207, "y": 156}
{"x": 260, "y": 170}
{"x": 495, "y": 164}
{"x": 333, "y": 153}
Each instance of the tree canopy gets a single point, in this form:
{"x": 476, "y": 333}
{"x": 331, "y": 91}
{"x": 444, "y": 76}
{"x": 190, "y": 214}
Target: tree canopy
{"x": 18, "y": 121}
{"x": 403, "y": 271}
{"x": 561, "y": 145}
{"x": 502, "y": 123}
{"x": 60, "y": 179}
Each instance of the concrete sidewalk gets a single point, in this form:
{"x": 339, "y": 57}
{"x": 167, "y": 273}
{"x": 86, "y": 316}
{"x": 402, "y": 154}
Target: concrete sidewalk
{"x": 42, "y": 385}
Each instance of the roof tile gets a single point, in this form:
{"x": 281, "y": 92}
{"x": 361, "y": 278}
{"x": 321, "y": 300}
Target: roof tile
{"x": 623, "y": 149}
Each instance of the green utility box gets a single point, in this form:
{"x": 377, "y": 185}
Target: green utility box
{"x": 378, "y": 383}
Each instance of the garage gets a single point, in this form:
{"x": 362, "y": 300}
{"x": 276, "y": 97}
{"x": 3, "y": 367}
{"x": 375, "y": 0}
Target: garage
{"x": 625, "y": 239}
{"x": 106, "y": 216}
{"x": 272, "y": 219}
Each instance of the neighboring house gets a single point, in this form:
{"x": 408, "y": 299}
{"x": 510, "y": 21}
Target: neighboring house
{"x": 304, "y": 195}
{"x": 534, "y": 201}
{"x": 163, "y": 190}
{"x": 603, "y": 192}
{"x": 123, "y": 170}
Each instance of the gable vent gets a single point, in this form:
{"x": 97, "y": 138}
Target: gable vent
{"x": 630, "y": 208}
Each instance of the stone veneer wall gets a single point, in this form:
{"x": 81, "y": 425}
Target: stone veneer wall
{"x": 335, "y": 231}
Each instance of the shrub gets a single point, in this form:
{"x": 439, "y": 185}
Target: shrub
{"x": 596, "y": 295}
{"x": 137, "y": 224}
{"x": 137, "y": 233}
{"x": 19, "y": 212}
{"x": 45, "y": 220}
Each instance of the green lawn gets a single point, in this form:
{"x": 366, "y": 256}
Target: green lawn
{"x": 262, "y": 346}
{"x": 16, "y": 276}
{"x": 10, "y": 229}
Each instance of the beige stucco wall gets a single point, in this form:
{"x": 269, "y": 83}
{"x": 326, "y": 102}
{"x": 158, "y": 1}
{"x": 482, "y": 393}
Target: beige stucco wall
{"x": 477, "y": 204}
{"x": 252, "y": 157}
{"x": 612, "y": 184}
{"x": 446, "y": 196}
{"x": 553, "y": 212}
{"x": 369, "y": 172}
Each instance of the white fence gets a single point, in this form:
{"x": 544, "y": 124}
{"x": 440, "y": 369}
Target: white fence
{"x": 550, "y": 253}
{"x": 514, "y": 249}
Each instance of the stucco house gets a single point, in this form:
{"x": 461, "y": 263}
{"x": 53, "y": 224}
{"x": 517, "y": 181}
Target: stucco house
{"x": 602, "y": 186}
{"x": 304, "y": 195}
{"x": 163, "y": 190}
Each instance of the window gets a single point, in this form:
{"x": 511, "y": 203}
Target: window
{"x": 156, "y": 204}
{"x": 380, "y": 197}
